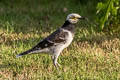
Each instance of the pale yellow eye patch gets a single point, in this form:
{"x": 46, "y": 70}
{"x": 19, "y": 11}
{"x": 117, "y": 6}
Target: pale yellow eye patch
{"x": 74, "y": 18}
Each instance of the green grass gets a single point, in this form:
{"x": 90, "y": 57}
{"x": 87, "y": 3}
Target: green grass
{"x": 92, "y": 55}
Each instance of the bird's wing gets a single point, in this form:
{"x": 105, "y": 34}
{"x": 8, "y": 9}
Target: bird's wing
{"x": 56, "y": 37}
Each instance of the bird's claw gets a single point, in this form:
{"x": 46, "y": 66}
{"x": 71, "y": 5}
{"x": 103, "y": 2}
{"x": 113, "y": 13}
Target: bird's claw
{"x": 57, "y": 65}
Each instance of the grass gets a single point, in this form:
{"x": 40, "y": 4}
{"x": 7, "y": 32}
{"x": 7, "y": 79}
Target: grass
{"x": 92, "y": 55}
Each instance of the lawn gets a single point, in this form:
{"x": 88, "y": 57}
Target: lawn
{"x": 92, "y": 55}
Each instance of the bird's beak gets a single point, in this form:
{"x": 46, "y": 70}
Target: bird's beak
{"x": 82, "y": 18}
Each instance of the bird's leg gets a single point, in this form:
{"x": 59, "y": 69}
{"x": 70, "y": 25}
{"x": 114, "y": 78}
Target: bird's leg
{"x": 54, "y": 61}
{"x": 54, "y": 58}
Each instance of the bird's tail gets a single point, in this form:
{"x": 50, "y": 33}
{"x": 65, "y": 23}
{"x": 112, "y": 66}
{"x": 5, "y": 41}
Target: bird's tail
{"x": 24, "y": 53}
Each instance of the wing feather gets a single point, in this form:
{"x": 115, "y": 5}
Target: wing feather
{"x": 58, "y": 36}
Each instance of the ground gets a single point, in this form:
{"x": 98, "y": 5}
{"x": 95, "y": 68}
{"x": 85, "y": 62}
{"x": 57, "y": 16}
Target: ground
{"x": 92, "y": 55}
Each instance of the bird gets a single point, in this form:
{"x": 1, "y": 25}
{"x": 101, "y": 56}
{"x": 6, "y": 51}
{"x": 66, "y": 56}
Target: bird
{"x": 58, "y": 40}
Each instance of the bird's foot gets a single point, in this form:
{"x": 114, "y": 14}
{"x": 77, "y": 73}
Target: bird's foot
{"x": 57, "y": 65}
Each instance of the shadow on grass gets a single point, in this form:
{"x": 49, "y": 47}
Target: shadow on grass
{"x": 4, "y": 66}
{"x": 105, "y": 41}
{"x": 8, "y": 65}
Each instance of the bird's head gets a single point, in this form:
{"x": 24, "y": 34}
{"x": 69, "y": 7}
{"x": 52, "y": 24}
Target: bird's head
{"x": 74, "y": 18}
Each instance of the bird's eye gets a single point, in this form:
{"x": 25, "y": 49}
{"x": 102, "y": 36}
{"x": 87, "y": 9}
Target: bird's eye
{"x": 73, "y": 17}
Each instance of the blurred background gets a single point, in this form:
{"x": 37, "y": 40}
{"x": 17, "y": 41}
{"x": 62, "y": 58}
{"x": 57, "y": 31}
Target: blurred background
{"x": 42, "y": 13}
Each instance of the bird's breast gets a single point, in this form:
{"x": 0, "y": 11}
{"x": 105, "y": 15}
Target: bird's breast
{"x": 60, "y": 46}
{"x": 69, "y": 38}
